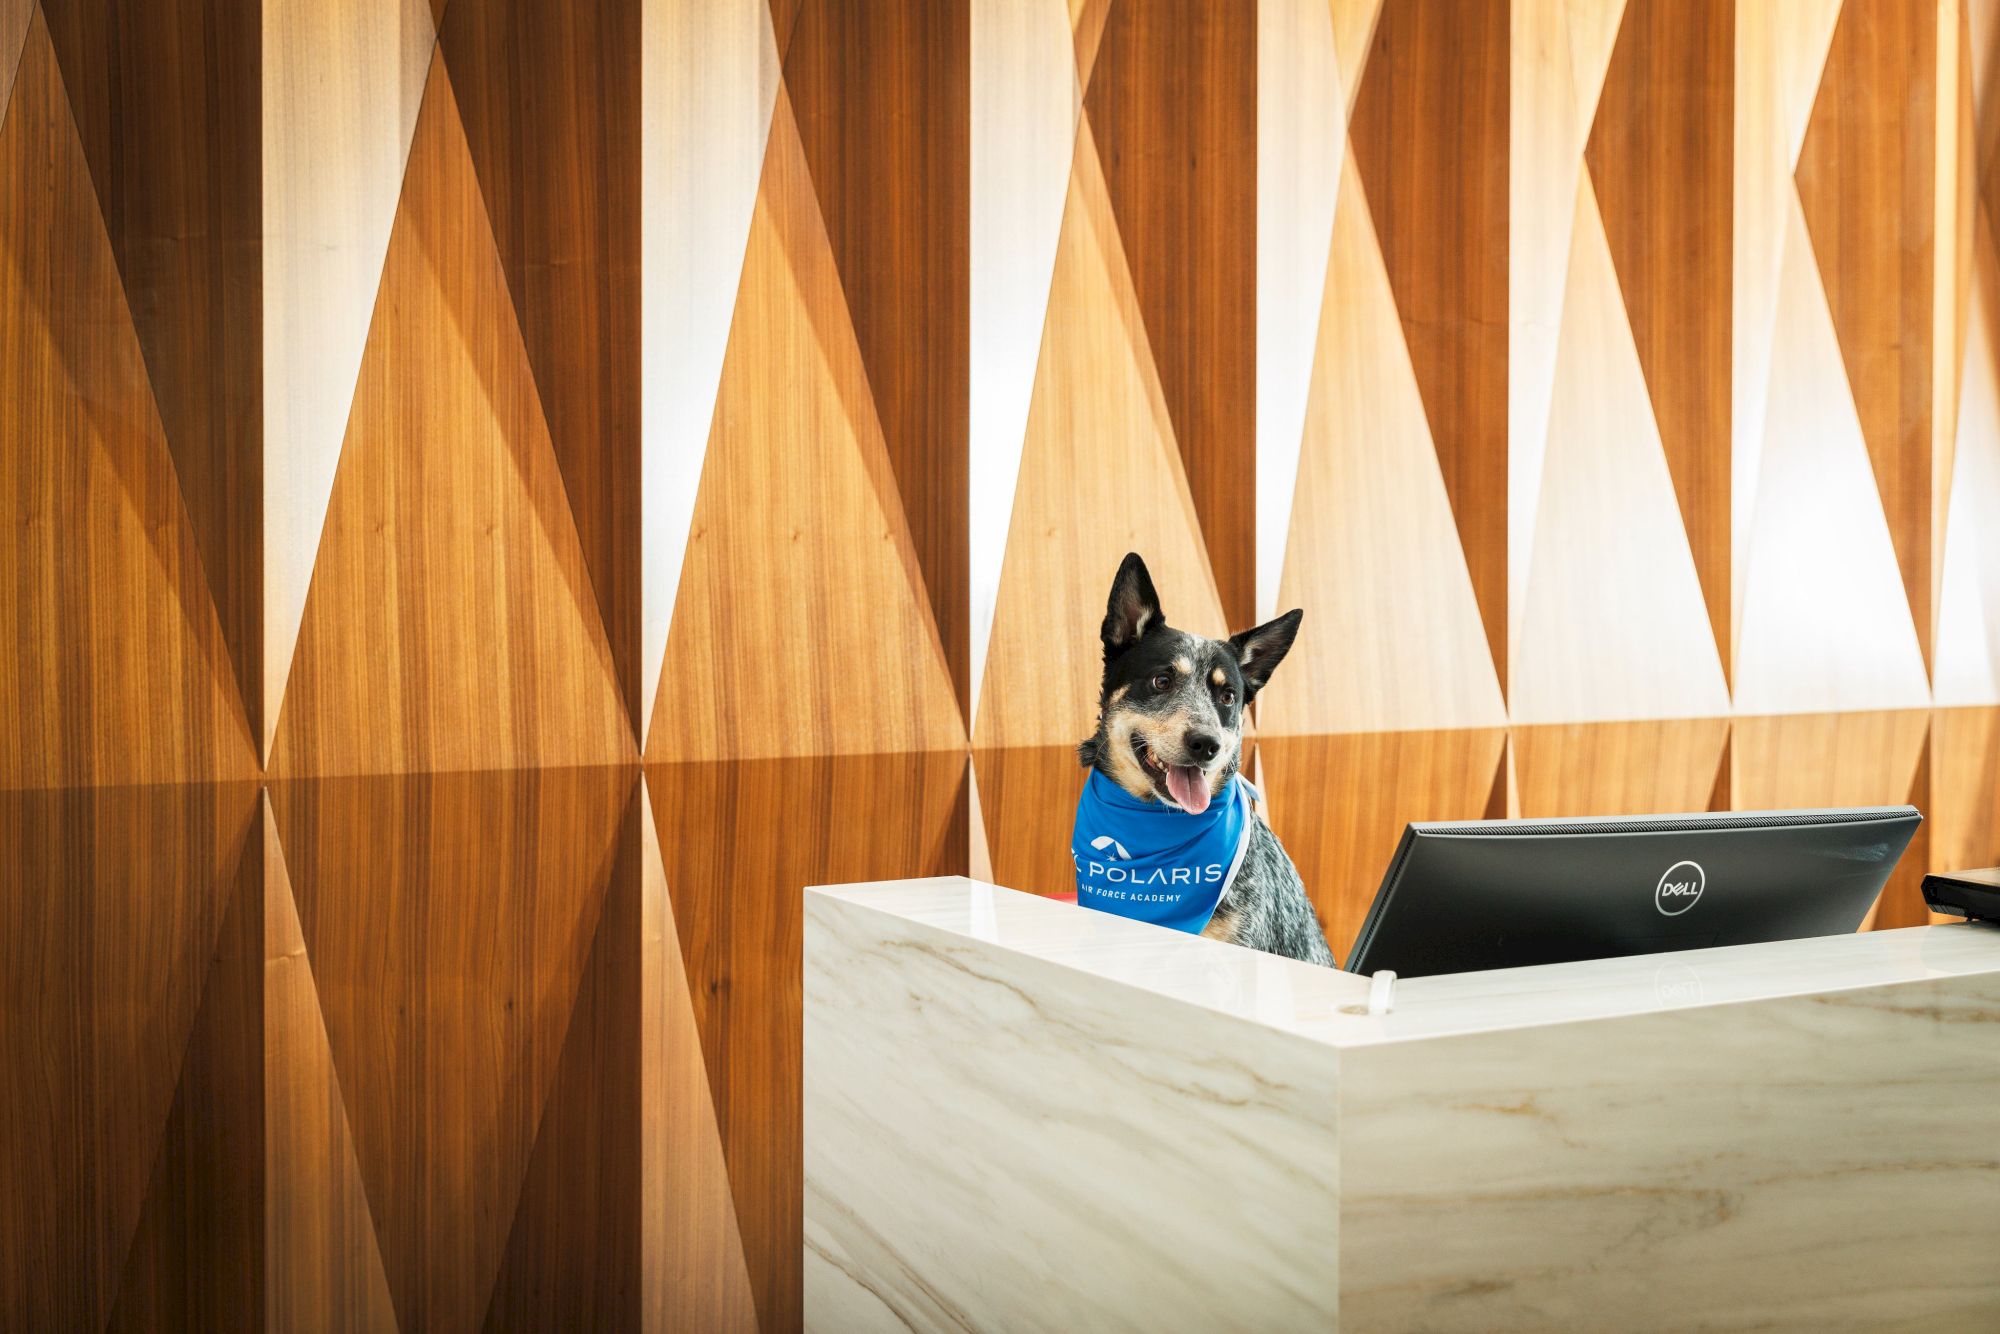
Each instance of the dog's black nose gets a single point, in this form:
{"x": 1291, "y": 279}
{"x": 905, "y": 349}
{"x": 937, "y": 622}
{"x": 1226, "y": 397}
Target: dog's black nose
{"x": 1203, "y": 746}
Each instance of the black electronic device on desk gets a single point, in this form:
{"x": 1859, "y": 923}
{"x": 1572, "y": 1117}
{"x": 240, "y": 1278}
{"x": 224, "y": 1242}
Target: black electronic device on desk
{"x": 1974, "y": 894}
{"x": 1479, "y": 894}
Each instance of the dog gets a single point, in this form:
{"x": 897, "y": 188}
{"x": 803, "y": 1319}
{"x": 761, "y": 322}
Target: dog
{"x": 1170, "y": 730}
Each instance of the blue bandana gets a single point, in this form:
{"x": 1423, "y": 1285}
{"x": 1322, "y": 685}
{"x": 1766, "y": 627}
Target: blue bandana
{"x": 1152, "y": 861}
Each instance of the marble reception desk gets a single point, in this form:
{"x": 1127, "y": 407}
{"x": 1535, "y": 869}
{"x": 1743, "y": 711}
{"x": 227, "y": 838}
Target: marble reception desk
{"x": 1024, "y": 1115}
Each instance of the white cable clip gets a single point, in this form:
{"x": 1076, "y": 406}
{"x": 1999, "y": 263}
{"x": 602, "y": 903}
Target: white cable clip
{"x": 1381, "y": 991}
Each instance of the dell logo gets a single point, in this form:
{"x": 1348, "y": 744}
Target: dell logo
{"x": 1679, "y": 888}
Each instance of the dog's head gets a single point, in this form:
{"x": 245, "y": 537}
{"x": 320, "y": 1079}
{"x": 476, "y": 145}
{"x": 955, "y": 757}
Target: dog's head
{"x": 1170, "y": 713}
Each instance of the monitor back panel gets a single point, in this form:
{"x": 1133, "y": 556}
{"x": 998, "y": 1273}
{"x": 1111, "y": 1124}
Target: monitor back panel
{"x": 1502, "y": 894}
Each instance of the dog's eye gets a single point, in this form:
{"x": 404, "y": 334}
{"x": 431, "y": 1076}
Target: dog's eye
{"x": 1161, "y": 680}
{"x": 1226, "y": 695}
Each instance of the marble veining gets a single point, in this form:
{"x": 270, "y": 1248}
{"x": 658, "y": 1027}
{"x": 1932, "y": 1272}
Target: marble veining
{"x": 1024, "y": 1115}
{"x": 1828, "y": 1161}
{"x": 951, "y": 1096}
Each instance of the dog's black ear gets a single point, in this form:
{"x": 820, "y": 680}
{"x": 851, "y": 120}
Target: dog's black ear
{"x": 1134, "y": 607}
{"x": 1260, "y": 650}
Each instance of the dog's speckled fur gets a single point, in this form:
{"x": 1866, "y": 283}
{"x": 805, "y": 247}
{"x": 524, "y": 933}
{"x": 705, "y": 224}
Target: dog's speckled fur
{"x": 1174, "y": 695}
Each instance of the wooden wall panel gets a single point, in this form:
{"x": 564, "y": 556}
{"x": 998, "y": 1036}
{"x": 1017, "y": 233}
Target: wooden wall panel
{"x": 1609, "y": 607}
{"x": 1964, "y": 812}
{"x": 341, "y": 88}
{"x": 118, "y": 670}
{"x": 1027, "y": 798}
{"x": 1660, "y": 156}
{"x": 574, "y": 1248}
{"x": 451, "y": 624}
{"x": 1077, "y": 511}
{"x": 449, "y": 919}
{"x": 800, "y": 560}
{"x": 322, "y": 1258}
{"x": 112, "y": 903}
{"x": 549, "y": 95}
{"x": 880, "y": 93}
{"x": 1393, "y": 638}
{"x": 1966, "y": 655}
{"x": 1023, "y": 114}
{"x": 1866, "y": 179}
{"x": 1824, "y": 622}
{"x": 1171, "y": 97}
{"x": 1430, "y": 136}
{"x": 709, "y": 82}
{"x": 1630, "y": 768}
{"x": 14, "y": 16}
{"x": 698, "y": 1277}
{"x": 165, "y": 95}
{"x": 740, "y": 840}
{"x": 1301, "y": 151}
{"x": 196, "y": 1257}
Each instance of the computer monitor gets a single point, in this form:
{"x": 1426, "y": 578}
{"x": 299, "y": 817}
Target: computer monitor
{"x": 1478, "y": 894}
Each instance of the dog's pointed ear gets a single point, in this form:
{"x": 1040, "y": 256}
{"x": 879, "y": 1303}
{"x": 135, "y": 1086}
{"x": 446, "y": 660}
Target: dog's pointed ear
{"x": 1134, "y": 607}
{"x": 1260, "y": 650}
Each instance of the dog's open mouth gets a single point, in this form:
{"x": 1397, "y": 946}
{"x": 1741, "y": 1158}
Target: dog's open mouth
{"x": 1183, "y": 784}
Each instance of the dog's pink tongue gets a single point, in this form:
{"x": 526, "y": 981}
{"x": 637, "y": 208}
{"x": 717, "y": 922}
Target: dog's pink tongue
{"x": 1188, "y": 788}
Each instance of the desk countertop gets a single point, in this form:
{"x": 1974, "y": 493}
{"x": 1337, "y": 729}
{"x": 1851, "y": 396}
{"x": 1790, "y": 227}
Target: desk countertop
{"x": 1024, "y": 1114}
{"x": 1315, "y": 1002}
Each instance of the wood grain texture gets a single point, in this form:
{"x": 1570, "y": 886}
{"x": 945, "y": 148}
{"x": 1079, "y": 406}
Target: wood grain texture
{"x": 1964, "y": 812}
{"x": 1027, "y": 802}
{"x": 1301, "y": 150}
{"x": 165, "y": 96}
{"x": 1661, "y": 161}
{"x": 1844, "y": 759}
{"x": 1078, "y": 510}
{"x": 549, "y": 95}
{"x": 323, "y": 1262}
{"x": 741, "y": 840}
{"x": 1429, "y": 132}
{"x": 695, "y": 1275}
{"x": 1965, "y": 658}
{"x": 1353, "y": 37}
{"x": 800, "y": 560}
{"x": 1023, "y": 113}
{"x": 784, "y": 20}
{"x": 119, "y": 670}
{"x": 575, "y": 1248}
{"x": 448, "y": 919}
{"x": 112, "y": 902}
{"x": 1824, "y": 621}
{"x": 1575, "y": 770}
{"x": 1087, "y": 19}
{"x": 197, "y": 1257}
{"x": 881, "y": 93}
{"x": 1609, "y": 578}
{"x": 14, "y": 16}
{"x": 1866, "y": 176}
{"x": 341, "y": 86}
{"x": 1780, "y": 51}
{"x": 709, "y": 81}
{"x": 1172, "y": 102}
{"x": 1339, "y": 804}
{"x": 451, "y": 624}
{"x": 1392, "y": 638}
{"x": 1559, "y": 55}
